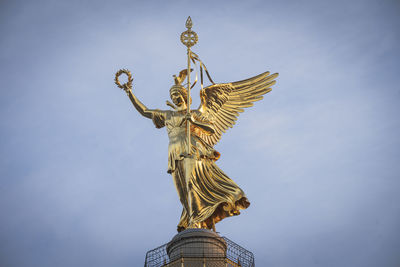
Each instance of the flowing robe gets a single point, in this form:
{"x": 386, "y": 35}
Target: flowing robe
{"x": 213, "y": 194}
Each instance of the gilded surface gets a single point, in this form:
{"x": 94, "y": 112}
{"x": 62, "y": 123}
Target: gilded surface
{"x": 206, "y": 193}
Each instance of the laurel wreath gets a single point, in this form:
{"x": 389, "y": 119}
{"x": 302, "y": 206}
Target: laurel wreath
{"x": 126, "y": 86}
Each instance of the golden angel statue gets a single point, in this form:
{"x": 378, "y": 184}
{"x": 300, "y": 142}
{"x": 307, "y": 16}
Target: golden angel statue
{"x": 207, "y": 194}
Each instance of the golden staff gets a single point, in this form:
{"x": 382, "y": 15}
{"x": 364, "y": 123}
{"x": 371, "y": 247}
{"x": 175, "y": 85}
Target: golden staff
{"x": 189, "y": 38}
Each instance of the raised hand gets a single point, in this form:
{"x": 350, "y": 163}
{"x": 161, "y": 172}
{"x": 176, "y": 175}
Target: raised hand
{"x": 126, "y": 86}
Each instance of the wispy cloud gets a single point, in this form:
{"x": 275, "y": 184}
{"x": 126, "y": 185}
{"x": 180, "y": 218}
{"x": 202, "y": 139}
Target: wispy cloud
{"x": 83, "y": 175}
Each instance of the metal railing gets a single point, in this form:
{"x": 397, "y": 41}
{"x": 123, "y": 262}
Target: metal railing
{"x": 236, "y": 256}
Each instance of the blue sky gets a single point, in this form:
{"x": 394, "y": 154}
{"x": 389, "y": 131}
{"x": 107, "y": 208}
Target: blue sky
{"x": 83, "y": 177}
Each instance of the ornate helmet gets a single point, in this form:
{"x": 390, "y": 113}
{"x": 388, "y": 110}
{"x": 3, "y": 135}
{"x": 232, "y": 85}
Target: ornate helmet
{"x": 178, "y": 87}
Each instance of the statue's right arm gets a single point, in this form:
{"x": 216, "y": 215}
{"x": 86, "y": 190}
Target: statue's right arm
{"x": 148, "y": 113}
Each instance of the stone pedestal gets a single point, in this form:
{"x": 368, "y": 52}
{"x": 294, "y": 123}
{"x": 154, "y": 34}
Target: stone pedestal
{"x": 197, "y": 248}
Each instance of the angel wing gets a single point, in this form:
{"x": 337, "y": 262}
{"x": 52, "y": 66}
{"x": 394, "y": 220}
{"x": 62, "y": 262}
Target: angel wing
{"x": 222, "y": 103}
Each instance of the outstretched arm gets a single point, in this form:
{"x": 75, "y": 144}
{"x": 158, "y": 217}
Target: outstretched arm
{"x": 148, "y": 113}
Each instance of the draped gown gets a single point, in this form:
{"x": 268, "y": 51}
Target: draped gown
{"x": 214, "y": 196}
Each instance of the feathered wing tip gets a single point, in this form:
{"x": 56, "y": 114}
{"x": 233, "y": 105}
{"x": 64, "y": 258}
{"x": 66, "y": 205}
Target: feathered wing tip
{"x": 222, "y": 103}
{"x": 256, "y": 85}
{"x": 257, "y": 78}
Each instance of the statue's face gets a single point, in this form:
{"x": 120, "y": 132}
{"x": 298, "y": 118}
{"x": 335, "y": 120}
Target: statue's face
{"x": 177, "y": 98}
